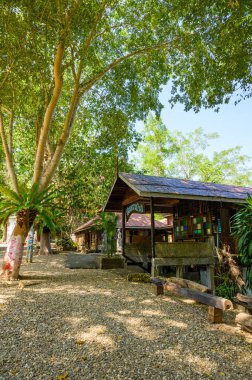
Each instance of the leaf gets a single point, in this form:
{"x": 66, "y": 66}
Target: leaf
{"x": 63, "y": 376}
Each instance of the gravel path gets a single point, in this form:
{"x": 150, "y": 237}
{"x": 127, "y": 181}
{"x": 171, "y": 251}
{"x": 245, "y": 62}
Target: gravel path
{"x": 59, "y": 323}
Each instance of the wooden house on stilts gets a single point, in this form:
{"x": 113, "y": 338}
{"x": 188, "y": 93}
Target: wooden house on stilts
{"x": 201, "y": 214}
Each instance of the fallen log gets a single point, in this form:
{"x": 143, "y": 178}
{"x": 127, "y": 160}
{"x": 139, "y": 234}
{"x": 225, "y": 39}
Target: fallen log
{"x": 184, "y": 283}
{"x": 245, "y": 321}
{"x": 244, "y": 299}
{"x": 207, "y": 299}
{"x": 172, "y": 287}
{"x": 216, "y": 305}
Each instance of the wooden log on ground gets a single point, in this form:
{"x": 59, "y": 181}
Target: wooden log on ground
{"x": 189, "y": 284}
{"x": 244, "y": 299}
{"x": 245, "y": 321}
{"x": 172, "y": 287}
{"x": 207, "y": 299}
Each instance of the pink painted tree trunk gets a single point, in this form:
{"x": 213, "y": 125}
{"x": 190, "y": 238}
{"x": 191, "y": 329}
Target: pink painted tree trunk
{"x": 15, "y": 248}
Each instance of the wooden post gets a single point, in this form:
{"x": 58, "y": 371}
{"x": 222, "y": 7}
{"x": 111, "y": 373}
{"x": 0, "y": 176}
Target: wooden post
{"x": 179, "y": 271}
{"x": 210, "y": 277}
{"x": 152, "y": 229}
{"x": 158, "y": 289}
{"x": 123, "y": 230}
{"x": 215, "y": 315}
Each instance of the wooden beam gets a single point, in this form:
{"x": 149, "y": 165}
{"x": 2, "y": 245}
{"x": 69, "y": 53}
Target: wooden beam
{"x": 131, "y": 199}
{"x": 123, "y": 230}
{"x": 173, "y": 261}
{"x": 152, "y": 229}
{"x": 208, "y": 299}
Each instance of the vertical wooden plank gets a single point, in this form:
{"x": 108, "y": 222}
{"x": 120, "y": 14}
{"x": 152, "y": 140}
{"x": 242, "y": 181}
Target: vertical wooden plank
{"x": 215, "y": 315}
{"x": 179, "y": 271}
{"x": 154, "y": 269}
{"x": 123, "y": 230}
{"x": 210, "y": 277}
{"x": 152, "y": 229}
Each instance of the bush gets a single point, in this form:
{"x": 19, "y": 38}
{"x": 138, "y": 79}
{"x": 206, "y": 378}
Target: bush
{"x": 66, "y": 244}
{"x": 225, "y": 287}
{"x": 139, "y": 277}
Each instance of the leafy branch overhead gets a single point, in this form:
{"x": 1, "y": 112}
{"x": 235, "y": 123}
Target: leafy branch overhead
{"x": 63, "y": 59}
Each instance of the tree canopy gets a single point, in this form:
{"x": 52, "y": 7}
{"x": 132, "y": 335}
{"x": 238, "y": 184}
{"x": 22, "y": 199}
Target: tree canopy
{"x": 106, "y": 60}
{"x": 71, "y": 67}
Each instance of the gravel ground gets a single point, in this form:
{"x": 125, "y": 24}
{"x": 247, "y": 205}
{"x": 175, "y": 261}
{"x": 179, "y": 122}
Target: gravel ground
{"x": 59, "y": 323}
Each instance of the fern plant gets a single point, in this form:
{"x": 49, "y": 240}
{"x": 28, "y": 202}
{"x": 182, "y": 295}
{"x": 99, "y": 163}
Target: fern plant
{"x": 26, "y": 205}
{"x": 241, "y": 225}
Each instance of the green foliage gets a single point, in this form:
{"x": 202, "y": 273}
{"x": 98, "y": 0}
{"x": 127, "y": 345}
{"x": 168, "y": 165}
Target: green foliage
{"x": 241, "y": 224}
{"x": 66, "y": 244}
{"x": 225, "y": 287}
{"x": 88, "y": 168}
{"x": 40, "y": 203}
{"x": 118, "y": 56}
{"x": 221, "y": 62}
{"x": 184, "y": 155}
{"x": 109, "y": 226}
{"x": 156, "y": 147}
{"x": 139, "y": 277}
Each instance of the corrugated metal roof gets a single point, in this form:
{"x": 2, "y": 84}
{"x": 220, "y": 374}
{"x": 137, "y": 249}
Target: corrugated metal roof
{"x": 159, "y": 186}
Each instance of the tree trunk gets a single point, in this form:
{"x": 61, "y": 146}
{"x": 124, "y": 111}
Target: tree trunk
{"x": 4, "y": 233}
{"x": 29, "y": 254}
{"x": 45, "y": 243}
{"x": 15, "y": 248}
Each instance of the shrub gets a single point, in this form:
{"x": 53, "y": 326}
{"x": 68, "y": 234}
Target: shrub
{"x": 66, "y": 244}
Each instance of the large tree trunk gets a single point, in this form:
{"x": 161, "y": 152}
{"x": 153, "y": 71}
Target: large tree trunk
{"x": 15, "y": 248}
{"x": 45, "y": 243}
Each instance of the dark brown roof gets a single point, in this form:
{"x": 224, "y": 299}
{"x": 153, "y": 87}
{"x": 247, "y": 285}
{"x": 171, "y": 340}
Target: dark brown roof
{"x": 145, "y": 185}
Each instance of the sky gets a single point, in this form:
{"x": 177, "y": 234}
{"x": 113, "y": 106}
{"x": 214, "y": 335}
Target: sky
{"x": 233, "y": 123}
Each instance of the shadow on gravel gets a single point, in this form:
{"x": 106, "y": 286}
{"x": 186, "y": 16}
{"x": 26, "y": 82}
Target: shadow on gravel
{"x": 96, "y": 325}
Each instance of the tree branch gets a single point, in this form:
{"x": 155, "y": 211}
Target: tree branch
{"x": 78, "y": 92}
{"x": 8, "y": 157}
{"x": 38, "y": 165}
{"x": 53, "y": 164}
{"x": 11, "y": 124}
{"x": 94, "y": 27}
{"x": 87, "y": 85}
{"x": 58, "y": 82}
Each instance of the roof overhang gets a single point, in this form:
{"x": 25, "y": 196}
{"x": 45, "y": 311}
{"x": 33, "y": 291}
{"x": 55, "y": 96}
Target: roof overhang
{"x": 125, "y": 192}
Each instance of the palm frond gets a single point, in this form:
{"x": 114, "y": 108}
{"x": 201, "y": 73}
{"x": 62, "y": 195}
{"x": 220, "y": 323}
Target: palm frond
{"x": 6, "y": 192}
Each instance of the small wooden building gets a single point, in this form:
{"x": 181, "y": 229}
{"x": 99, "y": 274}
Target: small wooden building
{"x": 138, "y": 232}
{"x": 89, "y": 236}
{"x": 201, "y": 218}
